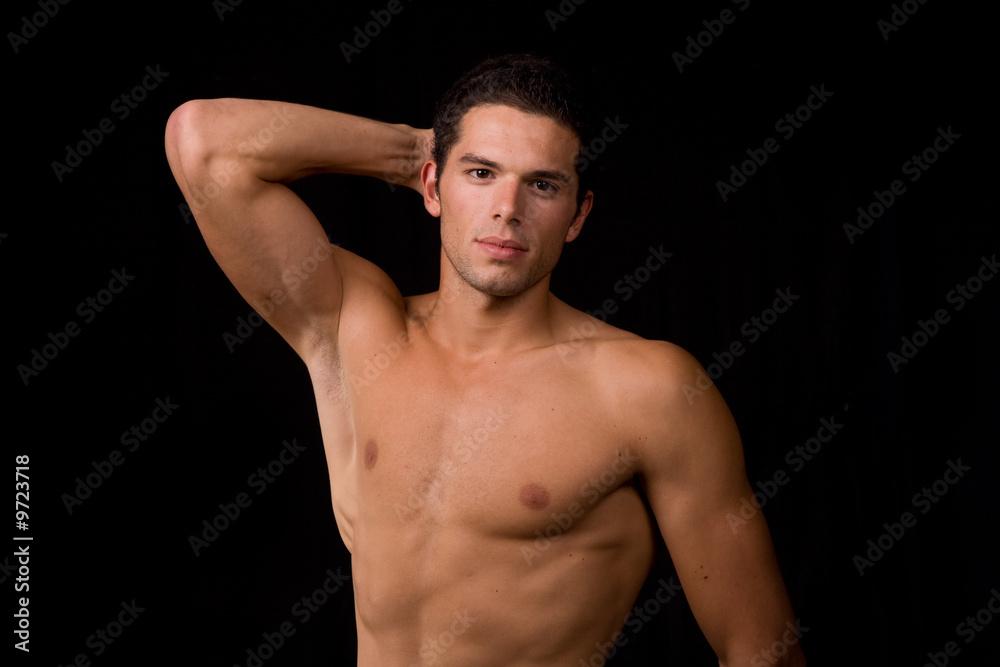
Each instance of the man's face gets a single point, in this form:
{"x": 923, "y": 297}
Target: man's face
{"x": 507, "y": 199}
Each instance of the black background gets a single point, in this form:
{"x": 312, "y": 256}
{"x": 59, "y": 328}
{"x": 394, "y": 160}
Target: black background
{"x": 162, "y": 336}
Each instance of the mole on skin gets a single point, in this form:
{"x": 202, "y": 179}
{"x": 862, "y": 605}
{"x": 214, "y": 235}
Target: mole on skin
{"x": 371, "y": 454}
{"x": 534, "y": 496}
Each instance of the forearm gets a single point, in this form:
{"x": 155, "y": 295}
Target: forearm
{"x": 281, "y": 142}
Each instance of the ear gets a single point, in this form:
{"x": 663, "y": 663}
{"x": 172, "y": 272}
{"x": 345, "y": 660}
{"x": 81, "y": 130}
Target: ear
{"x": 581, "y": 216}
{"x": 428, "y": 179}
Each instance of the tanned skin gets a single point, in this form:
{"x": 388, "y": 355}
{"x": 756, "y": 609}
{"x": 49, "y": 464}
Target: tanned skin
{"x": 462, "y": 425}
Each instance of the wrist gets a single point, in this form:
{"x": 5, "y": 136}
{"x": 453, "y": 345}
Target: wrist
{"x": 407, "y": 165}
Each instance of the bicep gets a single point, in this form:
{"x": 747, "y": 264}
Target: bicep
{"x": 694, "y": 472}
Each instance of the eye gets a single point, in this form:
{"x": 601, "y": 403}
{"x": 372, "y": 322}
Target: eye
{"x": 480, "y": 173}
{"x": 545, "y": 186}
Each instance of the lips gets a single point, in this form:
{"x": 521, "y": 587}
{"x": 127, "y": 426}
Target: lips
{"x": 501, "y": 248}
{"x": 503, "y": 243}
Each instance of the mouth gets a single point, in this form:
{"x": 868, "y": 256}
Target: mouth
{"x": 501, "y": 248}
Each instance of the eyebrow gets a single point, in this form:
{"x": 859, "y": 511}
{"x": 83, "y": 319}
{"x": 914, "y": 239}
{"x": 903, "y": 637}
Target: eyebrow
{"x": 550, "y": 174}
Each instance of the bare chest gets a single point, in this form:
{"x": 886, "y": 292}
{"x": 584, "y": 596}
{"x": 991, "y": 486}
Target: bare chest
{"x": 500, "y": 452}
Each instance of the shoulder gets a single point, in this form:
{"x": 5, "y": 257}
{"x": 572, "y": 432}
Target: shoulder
{"x": 654, "y": 394}
{"x": 652, "y": 379}
{"x": 373, "y": 308}
{"x": 627, "y": 364}
{"x": 364, "y": 276}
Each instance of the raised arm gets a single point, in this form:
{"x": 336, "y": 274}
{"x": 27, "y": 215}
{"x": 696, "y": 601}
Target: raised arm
{"x": 232, "y": 158}
{"x": 693, "y": 469}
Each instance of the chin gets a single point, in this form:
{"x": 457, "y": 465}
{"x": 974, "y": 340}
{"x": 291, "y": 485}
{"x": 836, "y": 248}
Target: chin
{"x": 502, "y": 286}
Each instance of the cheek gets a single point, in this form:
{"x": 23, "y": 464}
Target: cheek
{"x": 553, "y": 212}
{"x": 459, "y": 208}
{"x": 452, "y": 225}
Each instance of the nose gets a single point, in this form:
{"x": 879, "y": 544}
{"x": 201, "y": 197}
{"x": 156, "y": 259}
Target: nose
{"x": 507, "y": 201}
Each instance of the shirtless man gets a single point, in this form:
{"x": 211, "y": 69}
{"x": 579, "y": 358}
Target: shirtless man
{"x": 487, "y": 443}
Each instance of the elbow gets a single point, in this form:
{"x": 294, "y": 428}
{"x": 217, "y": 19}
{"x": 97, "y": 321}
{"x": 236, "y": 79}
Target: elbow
{"x": 195, "y": 141}
{"x": 185, "y": 136}
{"x": 779, "y": 654}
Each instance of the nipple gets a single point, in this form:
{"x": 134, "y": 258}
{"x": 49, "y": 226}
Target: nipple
{"x": 534, "y": 496}
{"x": 371, "y": 454}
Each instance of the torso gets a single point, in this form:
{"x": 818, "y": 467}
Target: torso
{"x": 490, "y": 509}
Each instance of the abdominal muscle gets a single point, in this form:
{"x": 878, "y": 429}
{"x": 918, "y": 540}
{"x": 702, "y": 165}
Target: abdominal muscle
{"x": 432, "y": 594}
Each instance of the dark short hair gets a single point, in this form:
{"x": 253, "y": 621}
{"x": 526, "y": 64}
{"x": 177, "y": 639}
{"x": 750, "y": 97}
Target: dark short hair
{"x": 530, "y": 83}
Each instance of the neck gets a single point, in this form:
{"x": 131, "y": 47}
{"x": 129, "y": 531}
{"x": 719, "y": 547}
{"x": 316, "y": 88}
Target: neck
{"x": 474, "y": 325}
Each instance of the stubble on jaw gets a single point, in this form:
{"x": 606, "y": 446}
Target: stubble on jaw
{"x": 502, "y": 286}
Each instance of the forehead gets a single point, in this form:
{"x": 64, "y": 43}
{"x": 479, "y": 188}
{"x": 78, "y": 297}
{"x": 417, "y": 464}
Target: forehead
{"x": 496, "y": 131}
